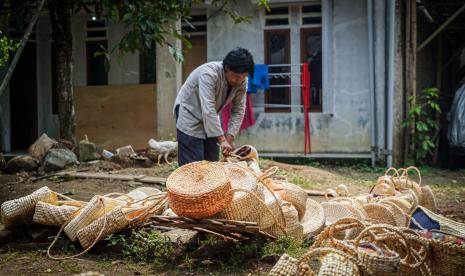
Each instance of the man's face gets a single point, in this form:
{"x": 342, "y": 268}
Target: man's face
{"x": 235, "y": 79}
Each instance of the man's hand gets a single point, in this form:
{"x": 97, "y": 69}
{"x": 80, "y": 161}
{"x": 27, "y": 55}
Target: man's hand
{"x": 225, "y": 146}
{"x": 230, "y": 139}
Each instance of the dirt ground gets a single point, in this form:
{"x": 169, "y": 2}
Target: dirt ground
{"x": 29, "y": 257}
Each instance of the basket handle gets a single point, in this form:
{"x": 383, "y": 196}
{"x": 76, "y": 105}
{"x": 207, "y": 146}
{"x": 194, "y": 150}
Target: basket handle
{"x": 396, "y": 172}
{"x": 406, "y": 171}
{"x": 332, "y": 192}
{"x": 268, "y": 173}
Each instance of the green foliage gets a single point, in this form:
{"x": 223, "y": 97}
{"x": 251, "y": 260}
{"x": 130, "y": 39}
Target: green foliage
{"x": 285, "y": 245}
{"x": 7, "y": 46}
{"x": 421, "y": 117}
{"x": 143, "y": 246}
{"x": 155, "y": 21}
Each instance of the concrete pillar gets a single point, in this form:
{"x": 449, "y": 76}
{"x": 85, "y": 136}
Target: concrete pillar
{"x": 168, "y": 85}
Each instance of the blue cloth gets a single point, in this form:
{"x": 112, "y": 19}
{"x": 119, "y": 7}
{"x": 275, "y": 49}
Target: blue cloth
{"x": 260, "y": 80}
{"x": 420, "y": 220}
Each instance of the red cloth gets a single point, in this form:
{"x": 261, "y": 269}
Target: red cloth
{"x": 305, "y": 82}
{"x": 249, "y": 119}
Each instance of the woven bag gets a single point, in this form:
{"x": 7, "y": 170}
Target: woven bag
{"x": 199, "y": 189}
{"x": 314, "y": 219}
{"x": 97, "y": 207}
{"x": 428, "y": 199}
{"x": 20, "y": 211}
{"x": 56, "y": 214}
{"x": 379, "y": 213}
{"x": 245, "y": 152}
{"x": 268, "y": 213}
{"x": 401, "y": 203}
{"x": 334, "y": 211}
{"x": 121, "y": 218}
{"x": 296, "y": 196}
{"x": 286, "y": 265}
{"x": 445, "y": 225}
{"x": 242, "y": 203}
{"x": 293, "y": 228}
{"x": 331, "y": 262}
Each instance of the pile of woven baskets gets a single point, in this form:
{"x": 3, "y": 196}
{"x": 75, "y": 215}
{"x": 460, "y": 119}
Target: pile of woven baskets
{"x": 238, "y": 190}
{"x": 88, "y": 222}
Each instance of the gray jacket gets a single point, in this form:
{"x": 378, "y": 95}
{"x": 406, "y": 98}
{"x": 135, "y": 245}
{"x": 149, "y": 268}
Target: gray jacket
{"x": 203, "y": 96}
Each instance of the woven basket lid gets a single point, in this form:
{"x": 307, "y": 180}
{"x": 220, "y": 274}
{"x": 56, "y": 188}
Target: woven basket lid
{"x": 314, "y": 219}
{"x": 197, "y": 178}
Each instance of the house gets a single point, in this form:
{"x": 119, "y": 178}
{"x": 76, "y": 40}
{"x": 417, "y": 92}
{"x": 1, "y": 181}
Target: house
{"x": 358, "y": 58}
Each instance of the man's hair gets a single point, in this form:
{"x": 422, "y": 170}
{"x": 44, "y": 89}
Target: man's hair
{"x": 239, "y": 60}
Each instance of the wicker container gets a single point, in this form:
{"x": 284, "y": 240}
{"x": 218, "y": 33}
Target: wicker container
{"x": 334, "y": 211}
{"x": 314, "y": 219}
{"x": 245, "y": 201}
{"x": 446, "y": 225}
{"x": 293, "y": 228}
{"x": 286, "y": 265}
{"x": 296, "y": 196}
{"x": 199, "y": 189}
{"x": 20, "y": 211}
{"x": 327, "y": 261}
{"x": 379, "y": 213}
{"x": 51, "y": 214}
{"x": 428, "y": 199}
{"x": 268, "y": 212}
{"x": 97, "y": 207}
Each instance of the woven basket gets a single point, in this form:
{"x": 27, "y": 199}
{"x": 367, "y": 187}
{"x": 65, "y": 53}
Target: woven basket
{"x": 314, "y": 219}
{"x": 400, "y": 216}
{"x": 199, "y": 189}
{"x": 52, "y": 214}
{"x": 334, "y": 211}
{"x": 97, "y": 207}
{"x": 428, "y": 199}
{"x": 446, "y": 225}
{"x": 20, "y": 211}
{"x": 333, "y": 262}
{"x": 286, "y": 265}
{"x": 245, "y": 152}
{"x": 293, "y": 228}
{"x": 296, "y": 196}
{"x": 116, "y": 219}
{"x": 378, "y": 213}
{"x": 268, "y": 213}
{"x": 401, "y": 203}
{"x": 242, "y": 203}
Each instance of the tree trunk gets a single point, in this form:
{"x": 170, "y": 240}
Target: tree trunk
{"x": 60, "y": 18}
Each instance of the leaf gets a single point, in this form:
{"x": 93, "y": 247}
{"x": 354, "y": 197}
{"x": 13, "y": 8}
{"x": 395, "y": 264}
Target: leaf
{"x": 176, "y": 53}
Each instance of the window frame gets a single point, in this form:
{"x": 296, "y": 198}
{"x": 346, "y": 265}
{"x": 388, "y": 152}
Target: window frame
{"x": 267, "y": 33}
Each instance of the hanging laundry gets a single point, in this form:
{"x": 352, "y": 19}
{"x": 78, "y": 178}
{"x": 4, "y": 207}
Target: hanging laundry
{"x": 248, "y": 121}
{"x": 260, "y": 80}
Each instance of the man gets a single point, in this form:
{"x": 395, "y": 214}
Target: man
{"x": 206, "y": 91}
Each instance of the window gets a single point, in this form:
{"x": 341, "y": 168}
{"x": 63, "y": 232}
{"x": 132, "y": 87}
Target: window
{"x": 277, "y": 16}
{"x": 96, "y": 39}
{"x": 277, "y": 51}
{"x": 311, "y": 52}
{"x": 148, "y": 68}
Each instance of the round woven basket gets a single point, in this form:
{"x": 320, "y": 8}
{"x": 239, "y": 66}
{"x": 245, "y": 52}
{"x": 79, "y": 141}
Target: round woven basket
{"x": 21, "y": 210}
{"x": 199, "y": 189}
{"x": 335, "y": 211}
{"x": 50, "y": 214}
{"x": 314, "y": 219}
{"x": 379, "y": 213}
{"x": 293, "y": 228}
{"x": 400, "y": 216}
{"x": 401, "y": 203}
{"x": 243, "y": 202}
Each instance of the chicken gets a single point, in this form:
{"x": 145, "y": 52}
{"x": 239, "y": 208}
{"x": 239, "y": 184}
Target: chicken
{"x": 163, "y": 148}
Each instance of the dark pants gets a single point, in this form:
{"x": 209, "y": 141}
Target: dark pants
{"x": 192, "y": 149}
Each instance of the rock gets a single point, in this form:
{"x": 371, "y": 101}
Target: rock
{"x": 86, "y": 151}
{"x": 2, "y": 162}
{"x": 21, "y": 163}
{"x": 58, "y": 159}
{"x": 182, "y": 236}
{"x": 41, "y": 146}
